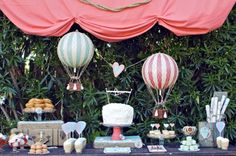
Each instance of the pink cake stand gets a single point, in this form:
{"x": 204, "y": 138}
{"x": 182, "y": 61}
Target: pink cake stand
{"x": 117, "y": 132}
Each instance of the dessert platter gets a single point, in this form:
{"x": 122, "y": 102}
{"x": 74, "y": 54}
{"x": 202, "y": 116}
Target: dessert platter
{"x": 162, "y": 134}
{"x": 38, "y": 148}
{"x": 18, "y": 140}
{"x": 157, "y": 134}
{"x": 39, "y": 106}
{"x": 33, "y": 104}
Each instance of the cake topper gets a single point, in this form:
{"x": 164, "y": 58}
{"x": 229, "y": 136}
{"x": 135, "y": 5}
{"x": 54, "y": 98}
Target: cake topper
{"x": 116, "y": 92}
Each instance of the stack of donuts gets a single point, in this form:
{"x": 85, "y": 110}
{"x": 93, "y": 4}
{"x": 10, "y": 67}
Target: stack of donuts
{"x": 38, "y": 148}
{"x": 34, "y": 103}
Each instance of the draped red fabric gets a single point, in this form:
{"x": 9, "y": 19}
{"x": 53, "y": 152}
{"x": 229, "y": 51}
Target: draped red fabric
{"x": 55, "y": 17}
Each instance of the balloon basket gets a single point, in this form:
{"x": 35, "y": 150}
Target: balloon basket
{"x": 160, "y": 113}
{"x": 71, "y": 86}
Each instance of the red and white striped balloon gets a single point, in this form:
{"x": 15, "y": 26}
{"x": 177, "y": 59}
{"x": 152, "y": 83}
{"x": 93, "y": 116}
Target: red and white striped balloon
{"x": 160, "y": 71}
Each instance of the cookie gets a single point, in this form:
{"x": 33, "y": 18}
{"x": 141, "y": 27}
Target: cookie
{"x": 44, "y": 146}
{"x": 39, "y": 105}
{"x": 47, "y": 100}
{"x": 33, "y": 147}
{"x": 45, "y": 151}
{"x": 29, "y": 105}
{"x": 32, "y": 100}
{"x": 39, "y": 147}
{"x": 32, "y": 151}
{"x": 32, "y": 109}
{"x": 38, "y": 151}
{"x": 46, "y": 109}
{"x": 47, "y": 105}
{"x": 27, "y": 110}
{"x": 38, "y": 144}
{"x": 38, "y": 101}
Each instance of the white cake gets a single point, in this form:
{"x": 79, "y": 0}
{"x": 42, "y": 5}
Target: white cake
{"x": 118, "y": 114}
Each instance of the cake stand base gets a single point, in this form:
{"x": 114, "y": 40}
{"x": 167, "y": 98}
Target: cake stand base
{"x": 129, "y": 141}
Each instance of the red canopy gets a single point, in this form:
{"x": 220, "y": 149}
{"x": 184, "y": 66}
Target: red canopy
{"x": 55, "y": 17}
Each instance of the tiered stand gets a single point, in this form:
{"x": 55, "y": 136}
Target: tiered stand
{"x": 39, "y": 113}
{"x": 117, "y": 139}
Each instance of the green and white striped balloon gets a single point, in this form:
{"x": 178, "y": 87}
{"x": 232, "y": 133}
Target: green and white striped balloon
{"x": 75, "y": 49}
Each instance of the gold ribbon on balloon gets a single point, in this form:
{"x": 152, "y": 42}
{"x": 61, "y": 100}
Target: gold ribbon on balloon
{"x": 118, "y": 9}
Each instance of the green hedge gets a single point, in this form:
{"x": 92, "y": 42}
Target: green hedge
{"x": 30, "y": 68}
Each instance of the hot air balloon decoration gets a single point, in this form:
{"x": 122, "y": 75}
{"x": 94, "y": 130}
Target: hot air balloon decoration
{"x": 160, "y": 73}
{"x": 75, "y": 50}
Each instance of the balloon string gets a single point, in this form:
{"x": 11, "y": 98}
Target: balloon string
{"x": 135, "y": 63}
{"x": 99, "y": 55}
{"x": 82, "y": 70}
{"x": 157, "y": 94}
{"x": 152, "y": 94}
{"x": 67, "y": 71}
{"x": 168, "y": 92}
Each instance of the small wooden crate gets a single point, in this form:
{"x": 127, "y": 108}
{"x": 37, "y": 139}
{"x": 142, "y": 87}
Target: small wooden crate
{"x": 51, "y": 131}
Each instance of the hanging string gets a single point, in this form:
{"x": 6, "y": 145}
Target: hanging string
{"x": 168, "y": 92}
{"x": 135, "y": 63}
{"x": 152, "y": 94}
{"x": 100, "y": 56}
{"x": 118, "y": 9}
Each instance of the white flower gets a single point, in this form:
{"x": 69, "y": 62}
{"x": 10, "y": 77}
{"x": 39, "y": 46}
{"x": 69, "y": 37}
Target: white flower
{"x": 2, "y": 100}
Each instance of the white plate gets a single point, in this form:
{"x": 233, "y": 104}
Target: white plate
{"x": 38, "y": 154}
{"x": 188, "y": 150}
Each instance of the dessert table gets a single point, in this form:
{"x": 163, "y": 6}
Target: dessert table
{"x": 171, "y": 150}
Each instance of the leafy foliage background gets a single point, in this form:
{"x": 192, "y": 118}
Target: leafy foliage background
{"x": 29, "y": 68}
